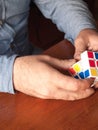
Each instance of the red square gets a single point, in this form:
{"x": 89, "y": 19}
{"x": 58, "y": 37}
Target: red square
{"x": 97, "y": 63}
{"x": 92, "y": 63}
{"x": 90, "y": 54}
{"x": 72, "y": 71}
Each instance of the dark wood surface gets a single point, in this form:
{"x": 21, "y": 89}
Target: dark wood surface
{"x": 23, "y": 112}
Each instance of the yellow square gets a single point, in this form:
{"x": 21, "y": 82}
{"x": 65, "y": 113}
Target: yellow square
{"x": 77, "y": 67}
{"x": 94, "y": 72}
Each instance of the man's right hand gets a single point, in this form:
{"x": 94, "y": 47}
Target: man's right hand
{"x": 40, "y": 76}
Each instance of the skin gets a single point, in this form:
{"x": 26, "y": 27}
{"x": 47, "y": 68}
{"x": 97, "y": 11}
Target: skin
{"x": 86, "y": 40}
{"x": 40, "y": 76}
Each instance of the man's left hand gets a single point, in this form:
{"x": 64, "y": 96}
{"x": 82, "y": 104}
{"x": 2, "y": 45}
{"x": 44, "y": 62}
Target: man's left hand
{"x": 86, "y": 40}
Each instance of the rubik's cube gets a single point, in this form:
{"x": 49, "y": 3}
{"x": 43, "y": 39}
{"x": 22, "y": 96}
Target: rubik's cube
{"x": 87, "y": 67}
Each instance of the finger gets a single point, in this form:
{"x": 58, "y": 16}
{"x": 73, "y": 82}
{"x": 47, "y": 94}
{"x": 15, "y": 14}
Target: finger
{"x": 71, "y": 84}
{"x": 69, "y": 95}
{"x": 93, "y": 41}
{"x": 57, "y": 63}
{"x": 95, "y": 84}
{"x": 65, "y": 64}
{"x": 93, "y": 47}
{"x": 79, "y": 48}
{"x": 83, "y": 94}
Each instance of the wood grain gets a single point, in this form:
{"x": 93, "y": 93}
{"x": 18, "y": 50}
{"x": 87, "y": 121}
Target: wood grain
{"x": 22, "y": 112}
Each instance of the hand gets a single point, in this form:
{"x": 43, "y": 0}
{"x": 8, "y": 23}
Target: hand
{"x": 86, "y": 40}
{"x": 40, "y": 76}
{"x": 95, "y": 85}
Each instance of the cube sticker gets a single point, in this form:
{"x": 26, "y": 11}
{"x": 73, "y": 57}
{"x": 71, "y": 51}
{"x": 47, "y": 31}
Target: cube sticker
{"x": 87, "y": 67}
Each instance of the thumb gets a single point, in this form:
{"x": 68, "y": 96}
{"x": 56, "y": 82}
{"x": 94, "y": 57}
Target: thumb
{"x": 69, "y": 63}
{"x": 80, "y": 47}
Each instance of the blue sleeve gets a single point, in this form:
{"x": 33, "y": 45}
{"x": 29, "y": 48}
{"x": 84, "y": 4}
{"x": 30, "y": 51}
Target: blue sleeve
{"x": 70, "y": 16}
{"x": 6, "y": 58}
{"x": 6, "y": 73}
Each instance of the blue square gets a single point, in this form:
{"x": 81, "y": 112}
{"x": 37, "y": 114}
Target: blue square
{"x": 76, "y": 76}
{"x": 81, "y": 74}
{"x": 86, "y": 74}
{"x": 96, "y": 55}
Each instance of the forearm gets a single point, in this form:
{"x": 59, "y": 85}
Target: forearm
{"x": 70, "y": 16}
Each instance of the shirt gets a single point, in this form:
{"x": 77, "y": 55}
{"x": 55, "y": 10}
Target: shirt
{"x": 70, "y": 16}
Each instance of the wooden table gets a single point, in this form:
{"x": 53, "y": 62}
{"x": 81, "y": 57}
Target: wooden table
{"x": 22, "y": 112}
